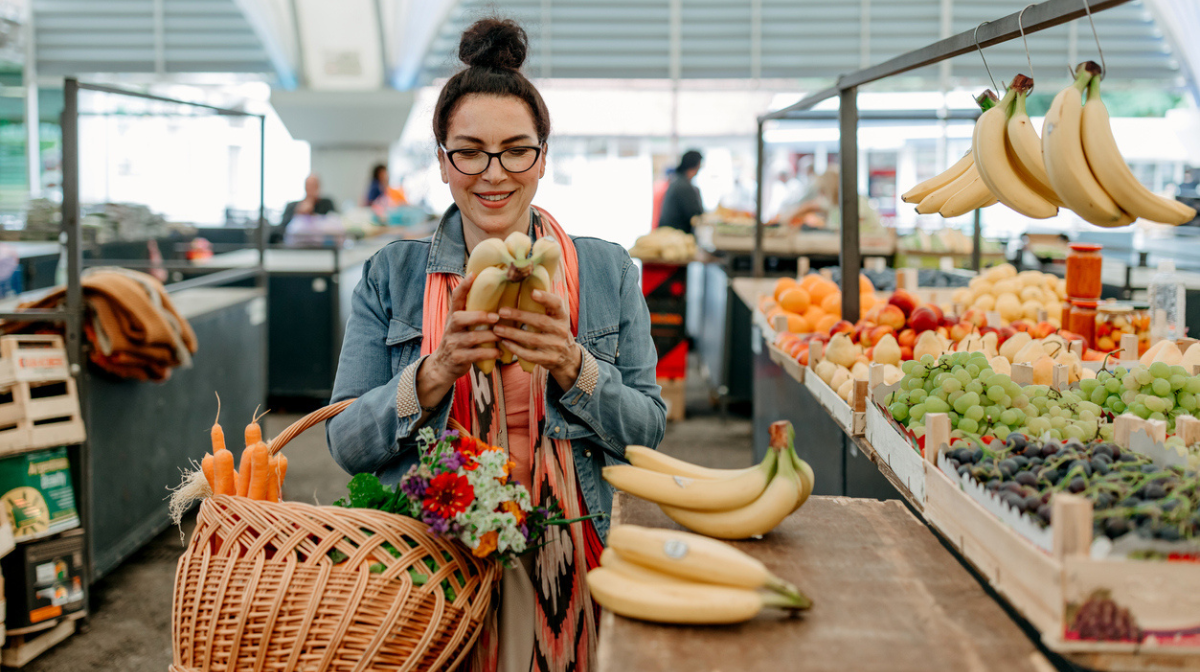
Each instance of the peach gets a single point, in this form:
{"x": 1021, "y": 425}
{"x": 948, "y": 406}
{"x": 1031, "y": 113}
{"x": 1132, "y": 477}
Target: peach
{"x": 961, "y": 330}
{"x": 906, "y": 352}
{"x": 943, "y": 332}
{"x": 841, "y": 327}
{"x": 881, "y": 331}
{"x": 906, "y": 302}
{"x": 907, "y": 337}
{"x": 923, "y": 319}
{"x": 976, "y": 317}
{"x": 892, "y": 316}
{"x": 1020, "y": 325}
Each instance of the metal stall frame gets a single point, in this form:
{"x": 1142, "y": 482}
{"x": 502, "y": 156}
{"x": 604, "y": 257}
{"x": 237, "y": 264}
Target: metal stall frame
{"x": 1041, "y": 16}
{"x": 72, "y": 314}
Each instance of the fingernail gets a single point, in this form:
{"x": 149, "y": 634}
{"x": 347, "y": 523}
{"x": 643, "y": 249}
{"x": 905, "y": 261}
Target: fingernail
{"x": 506, "y": 312}
{"x": 537, "y": 294}
{"x": 492, "y": 317}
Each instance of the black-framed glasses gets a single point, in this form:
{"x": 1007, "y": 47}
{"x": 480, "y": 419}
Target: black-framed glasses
{"x": 476, "y": 161}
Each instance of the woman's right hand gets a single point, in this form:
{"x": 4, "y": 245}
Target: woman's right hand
{"x": 459, "y": 348}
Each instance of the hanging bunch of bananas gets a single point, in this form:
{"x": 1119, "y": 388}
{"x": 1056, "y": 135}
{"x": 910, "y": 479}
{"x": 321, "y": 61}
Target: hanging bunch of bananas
{"x": 957, "y": 190}
{"x": 722, "y": 503}
{"x": 669, "y": 576}
{"x": 1075, "y": 164}
{"x": 507, "y": 272}
{"x": 1086, "y": 169}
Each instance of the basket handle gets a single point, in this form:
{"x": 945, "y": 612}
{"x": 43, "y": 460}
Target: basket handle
{"x": 321, "y": 415}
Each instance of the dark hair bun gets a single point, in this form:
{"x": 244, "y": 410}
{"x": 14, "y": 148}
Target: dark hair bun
{"x": 494, "y": 43}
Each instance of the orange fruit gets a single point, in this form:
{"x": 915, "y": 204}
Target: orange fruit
{"x": 798, "y": 325}
{"x": 766, "y": 303}
{"x": 827, "y": 323}
{"x": 867, "y": 301}
{"x": 864, "y": 284}
{"x": 832, "y": 304}
{"x": 795, "y": 300}
{"x": 821, "y": 289}
{"x": 813, "y": 315}
{"x": 807, "y": 281}
{"x": 783, "y": 285}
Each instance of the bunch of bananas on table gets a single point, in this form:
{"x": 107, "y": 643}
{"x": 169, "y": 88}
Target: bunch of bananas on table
{"x": 665, "y": 244}
{"x": 1075, "y": 164}
{"x": 722, "y": 503}
{"x": 507, "y": 272}
{"x": 669, "y": 576}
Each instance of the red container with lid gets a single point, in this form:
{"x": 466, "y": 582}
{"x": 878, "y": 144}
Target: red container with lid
{"x": 1083, "y": 271}
{"x": 1083, "y": 320}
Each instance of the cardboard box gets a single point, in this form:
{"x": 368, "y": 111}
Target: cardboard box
{"x": 37, "y": 494}
{"x": 45, "y": 580}
{"x": 674, "y": 392}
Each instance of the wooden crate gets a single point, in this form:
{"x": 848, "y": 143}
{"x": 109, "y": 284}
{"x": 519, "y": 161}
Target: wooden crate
{"x": 1046, "y": 586}
{"x": 893, "y": 447}
{"x": 845, "y": 414}
{"x": 674, "y": 392}
{"x": 39, "y": 401}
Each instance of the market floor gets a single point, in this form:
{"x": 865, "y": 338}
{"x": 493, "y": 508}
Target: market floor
{"x": 130, "y": 629}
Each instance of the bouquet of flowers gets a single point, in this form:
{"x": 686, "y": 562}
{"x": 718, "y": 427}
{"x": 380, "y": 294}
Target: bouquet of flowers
{"x": 462, "y": 489}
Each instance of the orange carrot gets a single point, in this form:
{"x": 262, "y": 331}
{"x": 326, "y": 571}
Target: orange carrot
{"x": 218, "y": 435}
{"x": 254, "y": 430}
{"x": 273, "y": 484}
{"x": 260, "y": 473}
{"x": 206, "y": 465}
{"x": 244, "y": 471}
{"x": 282, "y": 473}
{"x": 226, "y": 478}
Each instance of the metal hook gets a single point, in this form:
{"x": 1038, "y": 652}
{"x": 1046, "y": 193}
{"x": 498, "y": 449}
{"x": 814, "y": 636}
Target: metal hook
{"x": 1021, "y": 27}
{"x": 1103, "y": 67}
{"x": 975, "y": 36}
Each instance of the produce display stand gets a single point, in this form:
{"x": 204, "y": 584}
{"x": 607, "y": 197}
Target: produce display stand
{"x": 886, "y": 596}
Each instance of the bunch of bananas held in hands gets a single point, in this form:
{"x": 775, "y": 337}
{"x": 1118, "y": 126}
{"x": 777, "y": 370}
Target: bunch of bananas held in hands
{"x": 506, "y": 274}
{"x": 722, "y": 503}
{"x": 1075, "y": 164}
{"x": 668, "y": 576}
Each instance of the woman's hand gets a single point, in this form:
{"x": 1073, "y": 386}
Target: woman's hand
{"x": 554, "y": 348}
{"x": 459, "y": 348}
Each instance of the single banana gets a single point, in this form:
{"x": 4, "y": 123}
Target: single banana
{"x": 691, "y": 557}
{"x": 485, "y": 295}
{"x": 1062, "y": 150}
{"x": 612, "y": 560}
{"x": 518, "y": 245}
{"x": 538, "y": 279}
{"x": 919, "y": 192}
{"x": 1111, "y": 171}
{"x": 971, "y": 197}
{"x": 935, "y": 200}
{"x": 645, "y": 458}
{"x": 547, "y": 252}
{"x": 490, "y": 252}
{"x": 695, "y": 494}
{"x": 997, "y": 173}
{"x": 694, "y": 604}
{"x": 756, "y": 518}
{"x": 508, "y": 299}
{"x": 1026, "y": 148}
{"x": 807, "y": 478}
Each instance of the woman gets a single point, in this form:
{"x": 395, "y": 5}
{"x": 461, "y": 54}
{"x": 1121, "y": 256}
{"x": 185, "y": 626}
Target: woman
{"x": 410, "y": 347}
{"x": 379, "y": 184}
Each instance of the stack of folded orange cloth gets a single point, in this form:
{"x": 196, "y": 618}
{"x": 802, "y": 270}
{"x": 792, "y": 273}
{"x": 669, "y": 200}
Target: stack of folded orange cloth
{"x": 134, "y": 329}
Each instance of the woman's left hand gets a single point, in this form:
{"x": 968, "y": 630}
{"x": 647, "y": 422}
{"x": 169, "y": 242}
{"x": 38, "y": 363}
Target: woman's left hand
{"x": 552, "y": 346}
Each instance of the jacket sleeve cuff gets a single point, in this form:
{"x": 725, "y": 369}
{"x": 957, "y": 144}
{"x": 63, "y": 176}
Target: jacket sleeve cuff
{"x": 586, "y": 382}
{"x": 408, "y": 405}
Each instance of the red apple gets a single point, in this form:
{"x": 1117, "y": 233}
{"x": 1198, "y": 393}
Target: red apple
{"x": 976, "y": 317}
{"x": 862, "y": 333}
{"x": 907, "y": 338}
{"x": 906, "y": 352}
{"x": 892, "y": 316}
{"x": 923, "y": 319}
{"x": 1020, "y": 325}
{"x": 961, "y": 330}
{"x": 904, "y": 301}
{"x": 841, "y": 327}
{"x": 950, "y": 320}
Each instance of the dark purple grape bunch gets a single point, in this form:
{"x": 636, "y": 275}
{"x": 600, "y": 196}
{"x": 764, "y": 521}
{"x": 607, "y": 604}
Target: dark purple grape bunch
{"x": 1101, "y": 619}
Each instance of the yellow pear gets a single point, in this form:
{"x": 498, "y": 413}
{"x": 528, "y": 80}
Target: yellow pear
{"x": 860, "y": 371}
{"x": 825, "y": 370}
{"x": 1013, "y": 345}
{"x": 845, "y": 389}
{"x": 892, "y": 374}
{"x": 887, "y": 350}
{"x": 841, "y": 350}
{"x": 1043, "y": 370}
{"x": 840, "y": 376}
{"x": 1148, "y": 357}
{"x": 1030, "y": 353}
{"x": 990, "y": 341}
{"x": 1169, "y": 354}
{"x": 1074, "y": 366}
{"x": 1000, "y": 364}
{"x": 928, "y": 344}
{"x": 1191, "y": 359}
{"x": 1009, "y": 307}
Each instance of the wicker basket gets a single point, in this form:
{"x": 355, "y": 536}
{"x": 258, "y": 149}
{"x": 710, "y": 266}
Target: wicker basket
{"x": 256, "y": 589}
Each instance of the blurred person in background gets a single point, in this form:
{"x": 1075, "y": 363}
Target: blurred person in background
{"x": 313, "y": 203}
{"x": 379, "y": 185}
{"x": 660, "y": 192}
{"x": 682, "y": 200}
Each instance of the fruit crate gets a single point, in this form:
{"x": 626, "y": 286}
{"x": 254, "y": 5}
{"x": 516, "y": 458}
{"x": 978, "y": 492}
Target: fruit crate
{"x": 39, "y": 401}
{"x": 894, "y": 444}
{"x": 851, "y": 420}
{"x": 1048, "y": 574}
{"x": 785, "y": 361}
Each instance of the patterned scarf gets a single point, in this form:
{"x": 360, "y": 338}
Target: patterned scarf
{"x": 565, "y": 618}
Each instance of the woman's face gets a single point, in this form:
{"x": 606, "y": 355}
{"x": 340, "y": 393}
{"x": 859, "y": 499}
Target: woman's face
{"x": 496, "y": 202}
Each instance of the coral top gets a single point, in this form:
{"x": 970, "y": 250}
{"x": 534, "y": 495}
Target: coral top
{"x": 516, "y": 406}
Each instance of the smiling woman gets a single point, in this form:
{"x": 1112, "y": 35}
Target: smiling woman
{"x": 411, "y": 346}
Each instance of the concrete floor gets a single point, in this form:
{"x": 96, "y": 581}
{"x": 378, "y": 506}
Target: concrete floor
{"x": 130, "y": 627}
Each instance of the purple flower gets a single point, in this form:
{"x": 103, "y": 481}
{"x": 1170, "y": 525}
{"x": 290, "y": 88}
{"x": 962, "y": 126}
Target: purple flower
{"x": 524, "y": 530}
{"x": 414, "y": 486}
{"x": 452, "y": 461}
{"x": 442, "y": 527}
{"x": 450, "y": 434}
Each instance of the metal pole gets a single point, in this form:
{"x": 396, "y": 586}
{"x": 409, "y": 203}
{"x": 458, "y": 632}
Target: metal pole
{"x": 33, "y": 143}
{"x": 757, "y": 268}
{"x": 976, "y": 248}
{"x": 851, "y": 256}
{"x": 263, "y": 278}
{"x": 74, "y": 308}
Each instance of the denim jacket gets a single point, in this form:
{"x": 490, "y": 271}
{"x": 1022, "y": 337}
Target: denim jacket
{"x": 617, "y": 405}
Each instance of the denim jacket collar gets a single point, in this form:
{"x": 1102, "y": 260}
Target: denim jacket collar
{"x": 448, "y": 249}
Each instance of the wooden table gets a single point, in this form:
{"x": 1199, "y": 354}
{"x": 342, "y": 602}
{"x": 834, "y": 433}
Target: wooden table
{"x": 887, "y": 596}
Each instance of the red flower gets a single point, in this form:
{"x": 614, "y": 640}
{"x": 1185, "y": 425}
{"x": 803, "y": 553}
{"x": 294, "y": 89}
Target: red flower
{"x": 448, "y": 495}
{"x": 470, "y": 446}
